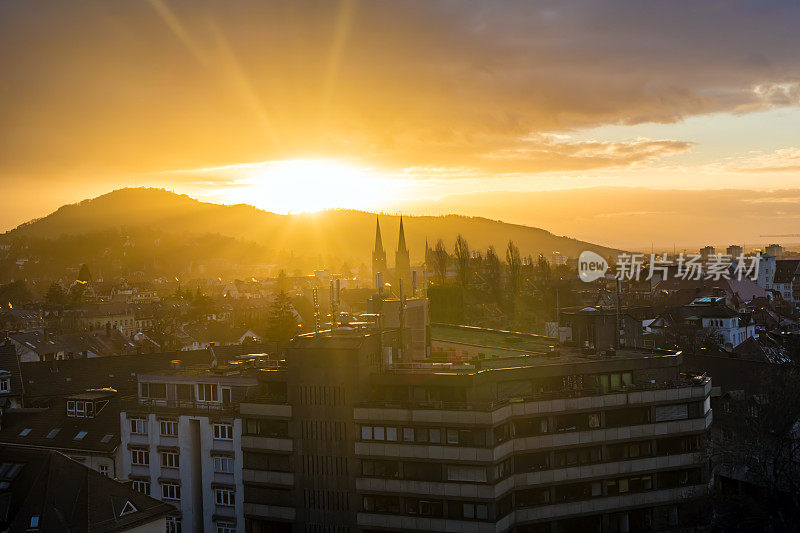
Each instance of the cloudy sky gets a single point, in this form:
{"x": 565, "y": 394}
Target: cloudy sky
{"x": 501, "y": 109}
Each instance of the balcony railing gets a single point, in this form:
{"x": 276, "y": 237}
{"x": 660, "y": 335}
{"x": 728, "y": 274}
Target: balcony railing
{"x": 176, "y": 406}
{"x": 536, "y": 397}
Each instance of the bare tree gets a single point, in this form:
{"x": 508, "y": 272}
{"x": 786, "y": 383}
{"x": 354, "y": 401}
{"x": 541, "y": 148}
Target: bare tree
{"x": 441, "y": 260}
{"x": 760, "y": 445}
{"x": 462, "y": 260}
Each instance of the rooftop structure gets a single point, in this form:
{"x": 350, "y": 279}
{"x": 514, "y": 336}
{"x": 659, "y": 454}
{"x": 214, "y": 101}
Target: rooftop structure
{"x": 343, "y": 433}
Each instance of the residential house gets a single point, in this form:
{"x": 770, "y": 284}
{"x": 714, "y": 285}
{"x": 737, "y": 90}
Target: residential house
{"x": 43, "y": 490}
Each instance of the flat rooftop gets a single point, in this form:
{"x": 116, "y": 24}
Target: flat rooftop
{"x": 498, "y": 341}
{"x": 565, "y": 355}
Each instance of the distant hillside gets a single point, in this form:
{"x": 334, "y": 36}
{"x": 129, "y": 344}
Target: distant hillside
{"x": 342, "y": 234}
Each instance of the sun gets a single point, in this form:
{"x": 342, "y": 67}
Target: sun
{"x": 307, "y": 185}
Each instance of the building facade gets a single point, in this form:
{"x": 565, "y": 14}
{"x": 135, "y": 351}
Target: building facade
{"x": 335, "y": 438}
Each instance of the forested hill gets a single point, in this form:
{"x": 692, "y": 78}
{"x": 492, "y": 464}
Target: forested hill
{"x": 185, "y": 229}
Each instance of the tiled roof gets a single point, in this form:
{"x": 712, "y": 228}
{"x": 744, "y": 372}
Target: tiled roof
{"x": 52, "y": 428}
{"x": 785, "y": 270}
{"x": 66, "y": 496}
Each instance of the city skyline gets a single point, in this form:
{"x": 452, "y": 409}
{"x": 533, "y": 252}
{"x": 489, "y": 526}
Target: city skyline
{"x": 291, "y": 108}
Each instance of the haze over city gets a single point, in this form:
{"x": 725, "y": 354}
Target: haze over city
{"x": 622, "y": 123}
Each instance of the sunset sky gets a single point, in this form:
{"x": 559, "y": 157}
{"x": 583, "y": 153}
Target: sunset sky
{"x": 570, "y": 116}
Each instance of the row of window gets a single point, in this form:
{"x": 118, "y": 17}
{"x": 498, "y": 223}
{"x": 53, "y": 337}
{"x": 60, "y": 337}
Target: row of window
{"x": 530, "y": 427}
{"x": 422, "y": 471}
{"x": 526, "y": 462}
{"x": 531, "y": 497}
{"x": 204, "y": 392}
{"x": 425, "y": 507}
{"x": 169, "y": 428}
{"x": 611, "y": 487}
{"x": 223, "y": 496}
{"x": 171, "y": 459}
{"x": 462, "y": 437}
{"x": 260, "y": 427}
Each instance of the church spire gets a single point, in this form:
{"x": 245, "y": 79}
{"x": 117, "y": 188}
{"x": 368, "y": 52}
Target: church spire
{"x": 401, "y": 244}
{"x": 378, "y": 240}
{"x": 402, "y": 264}
{"x": 378, "y": 256}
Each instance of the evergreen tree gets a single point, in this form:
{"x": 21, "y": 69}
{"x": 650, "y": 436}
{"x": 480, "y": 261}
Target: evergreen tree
{"x": 84, "y": 275}
{"x": 56, "y": 295}
{"x": 493, "y": 273}
{"x": 514, "y": 262}
{"x": 282, "y": 321}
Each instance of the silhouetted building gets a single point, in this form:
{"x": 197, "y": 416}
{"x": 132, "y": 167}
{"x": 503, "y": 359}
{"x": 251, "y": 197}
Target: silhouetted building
{"x": 338, "y": 437}
{"x": 378, "y": 257}
{"x": 402, "y": 262}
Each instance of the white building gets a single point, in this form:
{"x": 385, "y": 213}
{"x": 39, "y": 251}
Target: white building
{"x": 181, "y": 441}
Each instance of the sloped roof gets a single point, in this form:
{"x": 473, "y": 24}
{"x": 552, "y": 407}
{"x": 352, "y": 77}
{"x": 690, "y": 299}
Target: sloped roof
{"x": 52, "y": 428}
{"x": 785, "y": 270}
{"x": 67, "y": 496}
{"x": 10, "y": 363}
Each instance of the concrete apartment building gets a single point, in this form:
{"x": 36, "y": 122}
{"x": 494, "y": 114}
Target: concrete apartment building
{"x": 335, "y": 438}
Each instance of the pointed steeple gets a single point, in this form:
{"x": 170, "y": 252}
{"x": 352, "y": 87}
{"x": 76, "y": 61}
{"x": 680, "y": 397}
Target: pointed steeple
{"x": 378, "y": 240}
{"x": 378, "y": 255}
{"x": 401, "y": 244}
{"x": 402, "y": 264}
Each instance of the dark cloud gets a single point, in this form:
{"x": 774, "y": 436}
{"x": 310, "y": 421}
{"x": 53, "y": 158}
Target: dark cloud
{"x": 131, "y": 86}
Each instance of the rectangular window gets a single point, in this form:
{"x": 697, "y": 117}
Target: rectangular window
{"x": 104, "y": 470}
{"x": 138, "y": 426}
{"x": 466, "y": 473}
{"x": 671, "y": 412}
{"x": 141, "y": 486}
{"x": 223, "y": 464}
{"x": 170, "y": 491}
{"x": 391, "y": 434}
{"x": 173, "y": 524}
{"x": 157, "y": 391}
{"x": 408, "y": 434}
{"x": 379, "y": 433}
{"x": 224, "y": 497}
{"x": 435, "y": 435}
{"x": 223, "y": 431}
{"x": 452, "y": 436}
{"x": 226, "y": 527}
{"x": 207, "y": 392}
{"x": 170, "y": 459}
{"x": 140, "y": 456}
{"x": 5, "y": 385}
{"x": 366, "y": 432}
{"x": 71, "y": 408}
{"x": 169, "y": 428}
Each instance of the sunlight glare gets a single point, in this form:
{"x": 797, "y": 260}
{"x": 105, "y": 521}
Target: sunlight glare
{"x": 307, "y": 185}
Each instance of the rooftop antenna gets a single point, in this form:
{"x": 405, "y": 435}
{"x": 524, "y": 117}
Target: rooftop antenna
{"x": 214, "y": 361}
{"x": 315, "y": 298}
{"x": 402, "y": 320}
